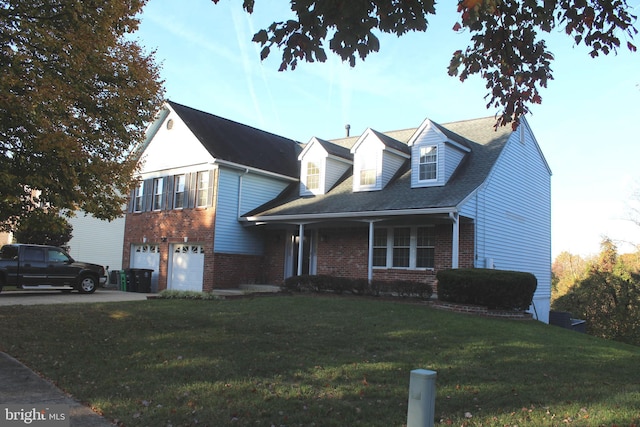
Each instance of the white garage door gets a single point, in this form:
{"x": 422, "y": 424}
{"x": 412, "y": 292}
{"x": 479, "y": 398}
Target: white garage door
{"x": 147, "y": 256}
{"x": 187, "y": 267}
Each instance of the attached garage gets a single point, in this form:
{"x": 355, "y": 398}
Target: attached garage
{"x": 187, "y": 267}
{"x": 148, "y": 257}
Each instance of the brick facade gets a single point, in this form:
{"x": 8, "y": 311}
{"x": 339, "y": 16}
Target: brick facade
{"x": 343, "y": 252}
{"x": 165, "y": 228}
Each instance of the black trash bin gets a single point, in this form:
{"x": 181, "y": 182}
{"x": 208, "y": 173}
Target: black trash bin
{"x": 142, "y": 277}
{"x": 131, "y": 285}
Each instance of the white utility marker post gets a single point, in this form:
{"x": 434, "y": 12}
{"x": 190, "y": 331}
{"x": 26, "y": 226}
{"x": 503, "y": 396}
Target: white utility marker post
{"x": 422, "y": 398}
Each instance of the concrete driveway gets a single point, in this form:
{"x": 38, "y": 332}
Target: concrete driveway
{"x": 58, "y": 297}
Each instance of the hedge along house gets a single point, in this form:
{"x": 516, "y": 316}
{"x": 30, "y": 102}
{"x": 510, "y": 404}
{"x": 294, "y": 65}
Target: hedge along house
{"x": 222, "y": 204}
{"x": 403, "y": 205}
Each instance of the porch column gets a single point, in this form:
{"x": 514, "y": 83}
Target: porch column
{"x": 455, "y": 240}
{"x": 300, "y": 248}
{"x": 370, "y": 260}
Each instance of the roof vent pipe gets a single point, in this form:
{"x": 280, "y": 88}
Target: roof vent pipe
{"x": 347, "y": 127}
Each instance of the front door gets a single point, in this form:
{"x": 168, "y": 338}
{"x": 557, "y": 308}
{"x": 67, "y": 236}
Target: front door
{"x": 308, "y": 262}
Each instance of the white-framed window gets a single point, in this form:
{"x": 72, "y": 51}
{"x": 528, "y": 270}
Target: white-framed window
{"x": 428, "y": 164}
{"x": 404, "y": 247}
{"x": 202, "y": 188}
{"x": 178, "y": 191}
{"x": 401, "y": 247}
{"x": 380, "y": 247}
{"x": 425, "y": 247}
{"x": 138, "y": 197}
{"x": 313, "y": 176}
{"x": 368, "y": 173}
{"x": 157, "y": 194}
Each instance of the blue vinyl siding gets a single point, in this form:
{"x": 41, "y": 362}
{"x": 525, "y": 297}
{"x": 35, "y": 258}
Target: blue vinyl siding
{"x": 390, "y": 164}
{"x": 452, "y": 158}
{"x": 230, "y": 235}
{"x": 513, "y": 215}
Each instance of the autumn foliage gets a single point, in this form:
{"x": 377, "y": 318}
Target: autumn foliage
{"x": 76, "y": 94}
{"x": 505, "y": 49}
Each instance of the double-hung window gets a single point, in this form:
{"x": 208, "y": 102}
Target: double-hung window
{"x": 380, "y": 247}
{"x": 425, "y": 247}
{"x": 178, "y": 191}
{"x": 428, "y": 163}
{"x": 313, "y": 176}
{"x": 138, "y": 197}
{"x": 202, "y": 189}
{"x": 368, "y": 169}
{"x": 157, "y": 194}
{"x": 404, "y": 247}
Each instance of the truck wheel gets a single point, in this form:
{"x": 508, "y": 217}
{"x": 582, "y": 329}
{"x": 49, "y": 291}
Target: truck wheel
{"x": 87, "y": 284}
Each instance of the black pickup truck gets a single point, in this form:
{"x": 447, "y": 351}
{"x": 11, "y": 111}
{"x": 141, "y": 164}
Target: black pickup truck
{"x": 39, "y": 267}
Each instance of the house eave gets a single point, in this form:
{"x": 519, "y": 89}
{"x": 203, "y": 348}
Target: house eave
{"x": 362, "y": 215}
{"x": 238, "y": 166}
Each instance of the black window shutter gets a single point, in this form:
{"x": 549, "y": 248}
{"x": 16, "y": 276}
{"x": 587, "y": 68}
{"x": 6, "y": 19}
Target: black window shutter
{"x": 147, "y": 195}
{"x": 190, "y": 189}
{"x": 132, "y": 201}
{"x": 211, "y": 187}
{"x": 167, "y": 199}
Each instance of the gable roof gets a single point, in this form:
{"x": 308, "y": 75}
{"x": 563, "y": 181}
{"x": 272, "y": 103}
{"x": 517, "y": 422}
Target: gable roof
{"x": 331, "y": 149}
{"x": 486, "y": 144}
{"x": 241, "y": 144}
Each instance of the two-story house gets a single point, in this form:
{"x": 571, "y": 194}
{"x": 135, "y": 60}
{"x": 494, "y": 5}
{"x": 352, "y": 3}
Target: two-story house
{"x": 392, "y": 205}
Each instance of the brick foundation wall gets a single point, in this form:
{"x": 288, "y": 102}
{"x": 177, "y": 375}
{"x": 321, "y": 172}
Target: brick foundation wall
{"x": 343, "y": 252}
{"x": 273, "y": 261}
{"x": 164, "y": 228}
{"x": 444, "y": 239}
{"x": 232, "y": 270}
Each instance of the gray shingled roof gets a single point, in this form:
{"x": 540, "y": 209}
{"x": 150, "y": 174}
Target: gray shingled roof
{"x": 241, "y": 144}
{"x": 335, "y": 150}
{"x": 479, "y": 135}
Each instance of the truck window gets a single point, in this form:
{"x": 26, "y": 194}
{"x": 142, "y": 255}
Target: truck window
{"x": 57, "y": 256}
{"x": 9, "y": 252}
{"x": 34, "y": 254}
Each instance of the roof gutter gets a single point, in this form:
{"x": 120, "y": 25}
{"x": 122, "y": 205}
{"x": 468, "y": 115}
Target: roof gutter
{"x": 349, "y": 215}
{"x": 246, "y": 169}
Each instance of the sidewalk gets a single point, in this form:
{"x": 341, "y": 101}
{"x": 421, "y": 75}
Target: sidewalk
{"x": 19, "y": 385}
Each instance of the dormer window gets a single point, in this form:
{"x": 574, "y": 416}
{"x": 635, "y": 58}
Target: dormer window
{"x": 369, "y": 169}
{"x": 428, "y": 163}
{"x": 313, "y": 176}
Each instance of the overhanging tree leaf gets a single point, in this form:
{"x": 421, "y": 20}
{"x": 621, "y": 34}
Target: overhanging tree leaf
{"x": 505, "y": 50}
{"x": 75, "y": 98}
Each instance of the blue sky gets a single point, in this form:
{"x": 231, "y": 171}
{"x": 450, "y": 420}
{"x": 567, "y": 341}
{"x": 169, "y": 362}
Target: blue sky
{"x": 588, "y": 124}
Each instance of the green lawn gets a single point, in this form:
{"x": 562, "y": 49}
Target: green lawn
{"x": 320, "y": 361}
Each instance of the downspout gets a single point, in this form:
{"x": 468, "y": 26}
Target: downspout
{"x": 455, "y": 240}
{"x": 240, "y": 180}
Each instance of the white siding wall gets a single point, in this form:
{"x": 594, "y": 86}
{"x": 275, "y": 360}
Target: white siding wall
{"x": 174, "y": 148}
{"x": 230, "y": 235}
{"x": 391, "y": 162}
{"x": 333, "y": 172}
{"x": 452, "y": 158}
{"x": 513, "y": 226}
{"x": 96, "y": 241}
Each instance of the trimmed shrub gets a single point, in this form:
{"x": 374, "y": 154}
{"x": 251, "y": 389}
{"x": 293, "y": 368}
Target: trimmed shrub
{"x": 512, "y": 290}
{"x": 339, "y": 285}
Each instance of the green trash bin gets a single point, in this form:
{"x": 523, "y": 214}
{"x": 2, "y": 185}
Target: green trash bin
{"x": 123, "y": 280}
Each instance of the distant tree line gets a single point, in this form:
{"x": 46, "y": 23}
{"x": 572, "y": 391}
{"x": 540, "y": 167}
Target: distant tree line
{"x": 604, "y": 290}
